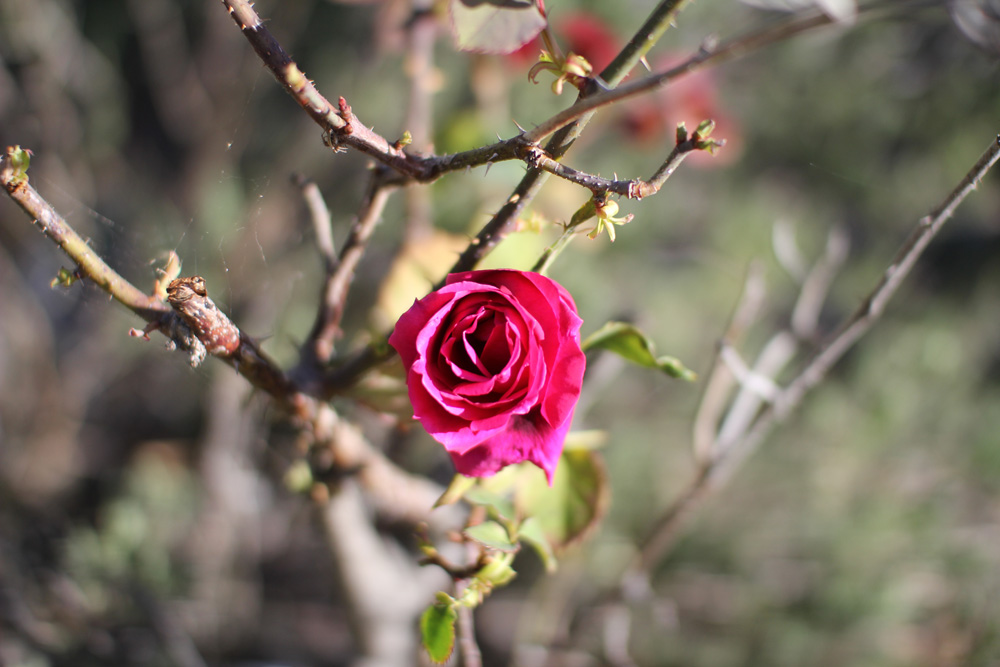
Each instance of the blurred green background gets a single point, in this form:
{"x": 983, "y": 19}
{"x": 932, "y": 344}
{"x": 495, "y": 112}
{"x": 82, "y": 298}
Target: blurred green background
{"x": 140, "y": 498}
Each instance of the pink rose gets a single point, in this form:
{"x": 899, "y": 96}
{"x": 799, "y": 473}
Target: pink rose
{"x": 494, "y": 368}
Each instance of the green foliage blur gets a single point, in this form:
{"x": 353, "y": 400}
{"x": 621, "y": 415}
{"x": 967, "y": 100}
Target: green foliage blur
{"x": 138, "y": 496}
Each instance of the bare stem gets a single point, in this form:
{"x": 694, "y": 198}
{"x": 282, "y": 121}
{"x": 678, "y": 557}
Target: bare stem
{"x": 471, "y": 655}
{"x": 319, "y": 345}
{"x": 339, "y": 122}
{"x": 635, "y": 188}
{"x": 873, "y": 306}
{"x": 91, "y": 265}
{"x": 421, "y": 35}
{"x": 319, "y": 214}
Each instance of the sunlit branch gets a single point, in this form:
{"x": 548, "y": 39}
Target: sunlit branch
{"x": 341, "y": 125}
{"x": 241, "y": 351}
{"x": 635, "y": 188}
{"x": 874, "y": 304}
{"x": 90, "y": 264}
{"x": 327, "y": 325}
{"x": 319, "y": 215}
{"x": 421, "y": 33}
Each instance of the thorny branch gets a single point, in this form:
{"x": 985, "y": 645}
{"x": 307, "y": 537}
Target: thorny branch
{"x": 344, "y": 129}
{"x": 563, "y": 138}
{"x": 635, "y": 188}
{"x": 339, "y": 122}
{"x": 90, "y": 264}
{"x": 397, "y": 494}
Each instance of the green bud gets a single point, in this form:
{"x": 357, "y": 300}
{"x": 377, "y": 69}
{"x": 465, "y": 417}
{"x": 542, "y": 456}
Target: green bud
{"x": 682, "y": 132}
{"x": 705, "y": 128}
{"x": 584, "y": 213}
{"x": 497, "y": 571}
{"x": 19, "y": 158}
{"x": 65, "y": 278}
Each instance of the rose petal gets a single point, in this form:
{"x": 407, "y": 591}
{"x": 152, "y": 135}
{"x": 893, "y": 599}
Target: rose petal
{"x": 528, "y": 438}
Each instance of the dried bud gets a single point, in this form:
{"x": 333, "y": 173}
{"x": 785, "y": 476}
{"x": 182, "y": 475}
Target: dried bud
{"x": 189, "y": 298}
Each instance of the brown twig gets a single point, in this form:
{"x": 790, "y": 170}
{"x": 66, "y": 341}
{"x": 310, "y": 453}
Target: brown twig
{"x": 635, "y": 188}
{"x": 344, "y": 129}
{"x": 90, "y": 264}
{"x": 227, "y": 342}
{"x": 422, "y": 30}
{"x": 340, "y": 124}
{"x": 467, "y": 645}
{"x": 326, "y": 328}
{"x": 319, "y": 215}
{"x": 221, "y": 338}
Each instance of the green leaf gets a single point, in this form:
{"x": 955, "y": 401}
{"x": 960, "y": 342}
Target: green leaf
{"x": 567, "y": 511}
{"x": 531, "y": 531}
{"x": 494, "y": 26}
{"x": 574, "y": 505}
{"x": 437, "y": 631}
{"x": 497, "y": 572}
{"x": 20, "y": 159}
{"x": 627, "y": 341}
{"x": 496, "y": 502}
{"x": 583, "y": 214}
{"x": 491, "y": 534}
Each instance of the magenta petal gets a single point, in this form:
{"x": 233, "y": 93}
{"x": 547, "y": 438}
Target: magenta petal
{"x": 527, "y": 438}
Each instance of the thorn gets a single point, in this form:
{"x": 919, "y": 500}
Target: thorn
{"x": 518, "y": 126}
{"x": 601, "y": 83}
{"x": 708, "y": 45}
{"x": 645, "y": 63}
